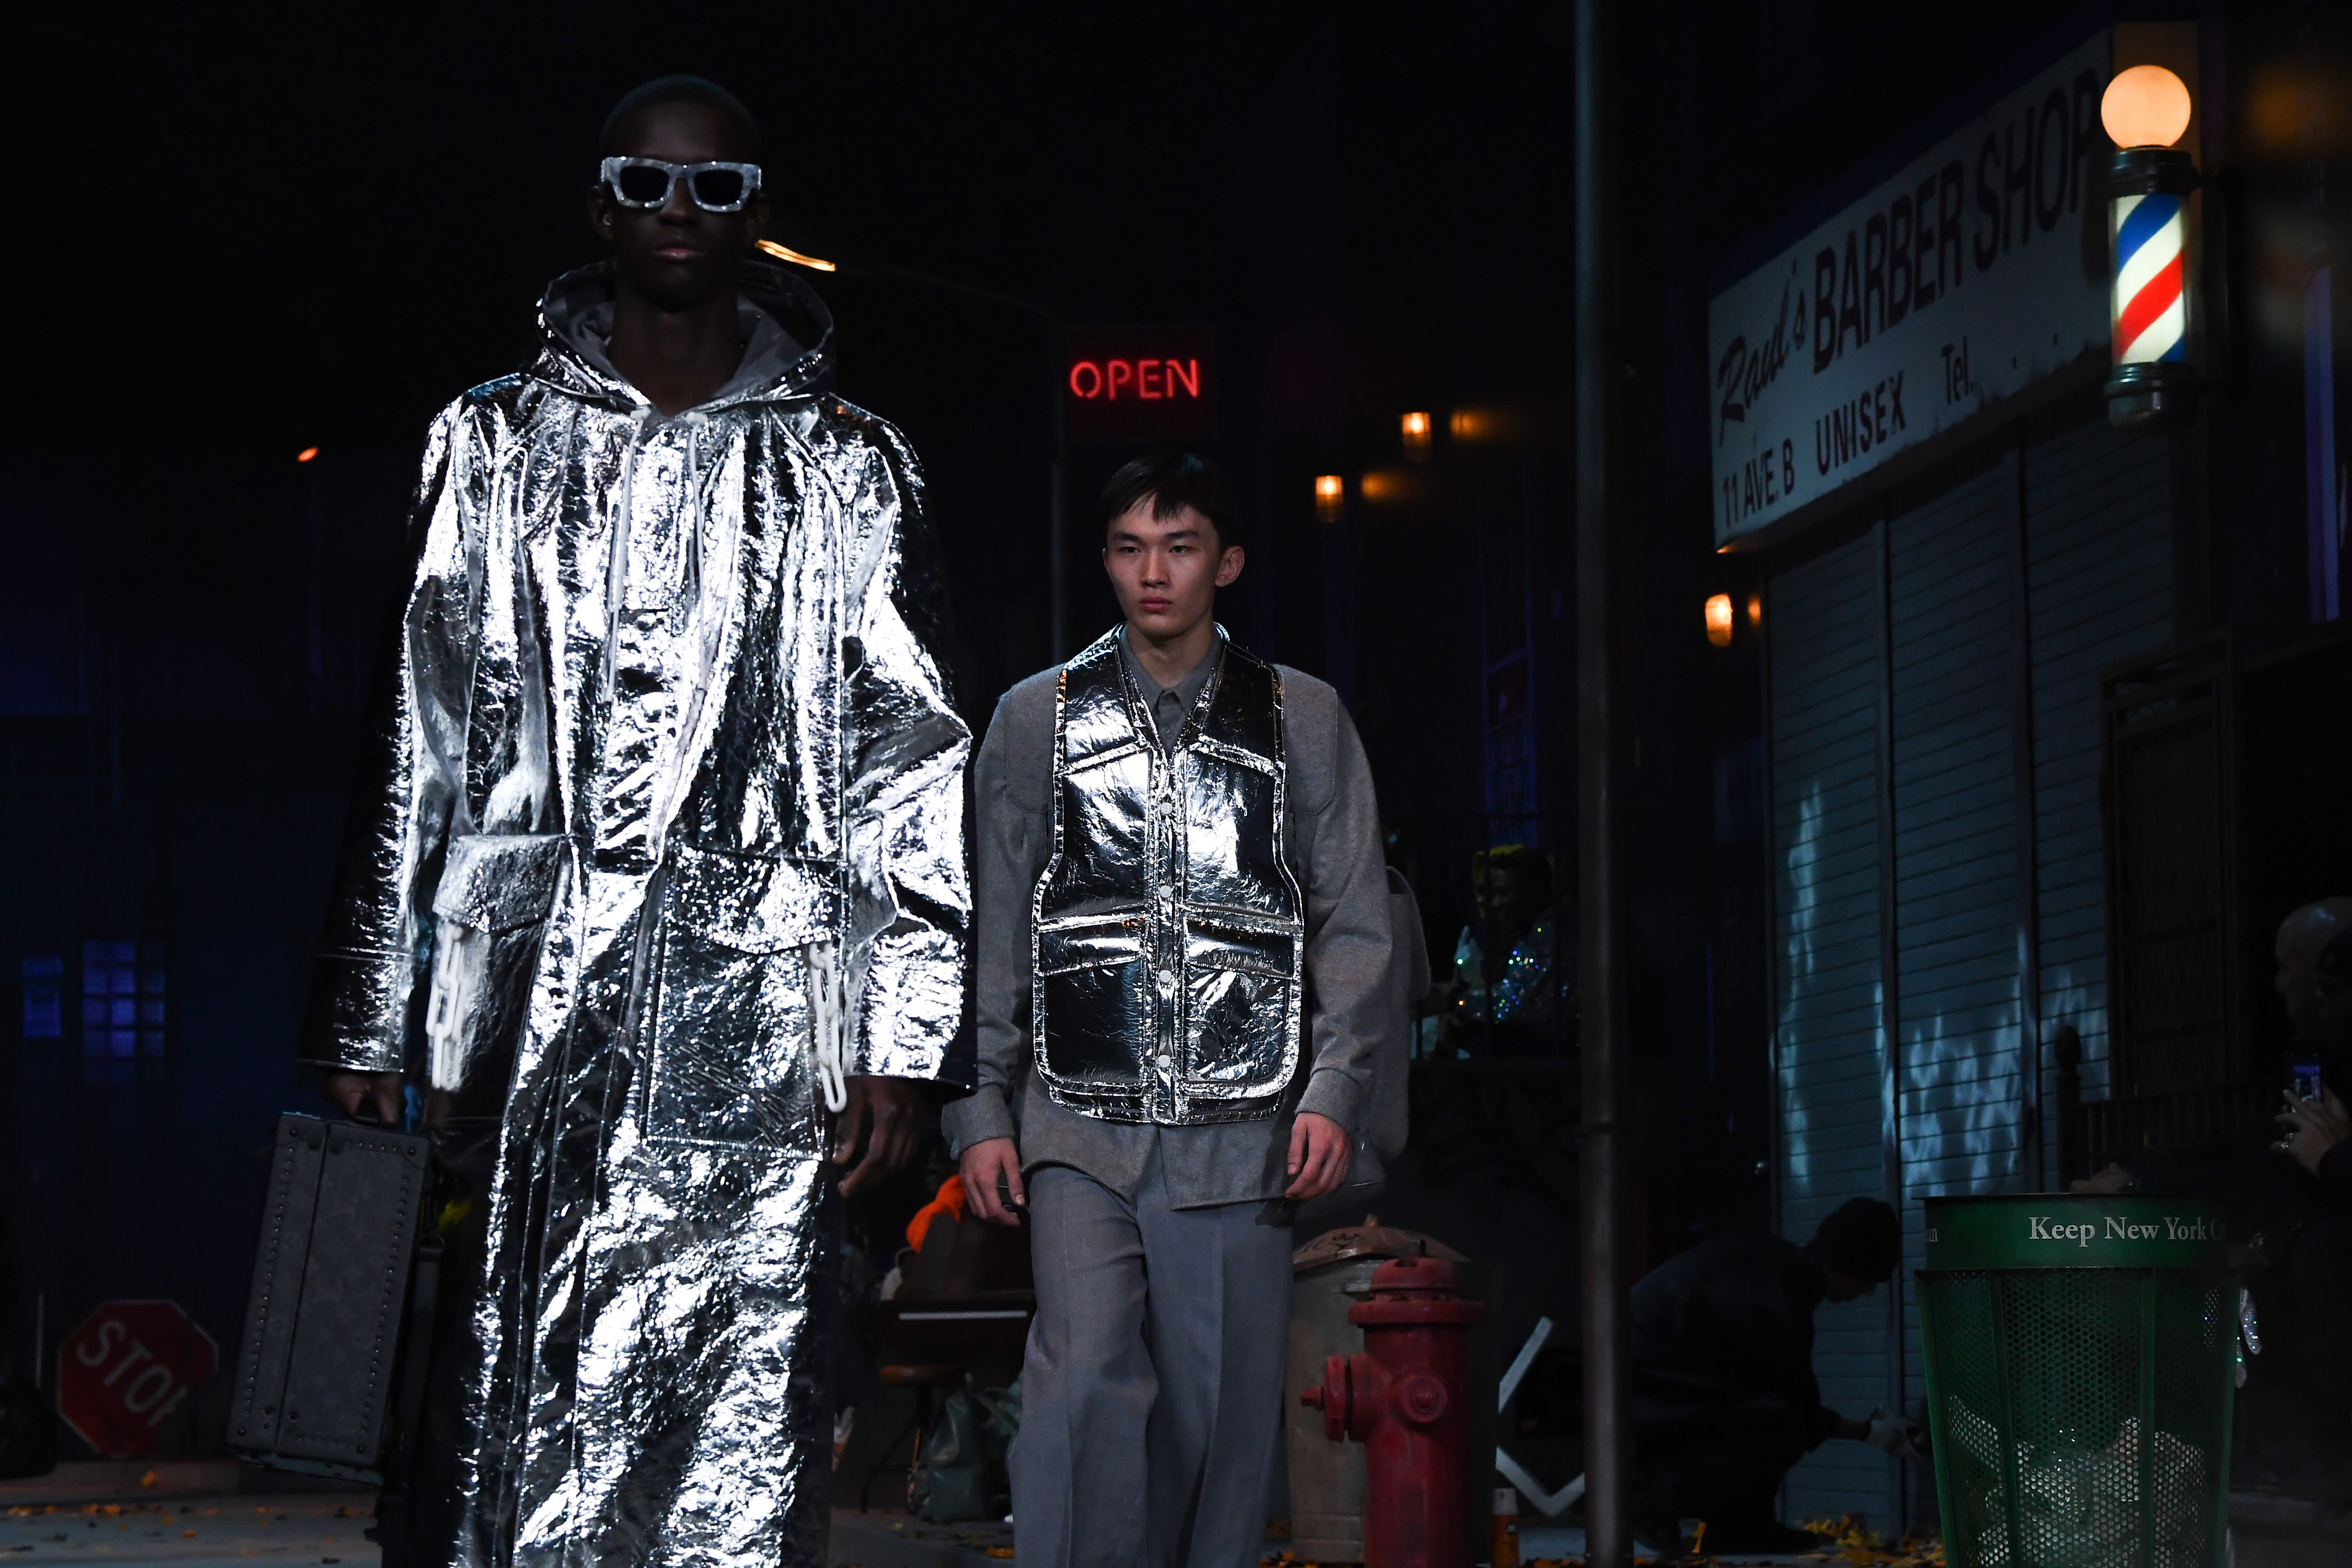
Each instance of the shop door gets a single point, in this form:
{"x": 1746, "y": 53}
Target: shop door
{"x": 2098, "y": 542}
{"x": 1825, "y": 658}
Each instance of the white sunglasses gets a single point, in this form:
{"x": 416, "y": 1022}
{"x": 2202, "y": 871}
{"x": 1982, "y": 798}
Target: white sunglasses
{"x": 715, "y": 187}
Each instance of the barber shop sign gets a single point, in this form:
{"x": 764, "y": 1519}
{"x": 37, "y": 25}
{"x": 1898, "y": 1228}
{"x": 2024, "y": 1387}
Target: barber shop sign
{"x": 1975, "y": 269}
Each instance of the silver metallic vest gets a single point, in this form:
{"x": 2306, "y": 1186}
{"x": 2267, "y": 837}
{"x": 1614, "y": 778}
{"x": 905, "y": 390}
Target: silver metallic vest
{"x": 1169, "y": 930}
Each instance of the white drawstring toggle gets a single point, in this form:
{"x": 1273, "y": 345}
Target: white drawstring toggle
{"x": 461, "y": 971}
{"x": 828, "y": 1032}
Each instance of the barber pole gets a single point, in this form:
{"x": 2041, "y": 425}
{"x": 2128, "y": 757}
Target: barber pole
{"x": 2150, "y": 295}
{"x": 2150, "y": 310}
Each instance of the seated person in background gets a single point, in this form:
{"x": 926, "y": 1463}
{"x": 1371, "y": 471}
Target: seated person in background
{"x": 1725, "y": 1400}
{"x": 2317, "y": 1135}
{"x": 1515, "y": 972}
{"x": 2289, "y": 1195}
{"x": 2315, "y": 982}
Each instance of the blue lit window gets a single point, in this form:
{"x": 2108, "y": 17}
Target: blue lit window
{"x": 122, "y": 998}
{"x": 44, "y": 1010}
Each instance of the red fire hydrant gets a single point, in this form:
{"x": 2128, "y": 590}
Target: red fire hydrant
{"x": 1407, "y": 1399}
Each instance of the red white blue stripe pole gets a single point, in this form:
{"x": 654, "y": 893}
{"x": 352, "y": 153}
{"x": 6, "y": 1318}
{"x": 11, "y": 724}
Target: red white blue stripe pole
{"x": 2152, "y": 298}
{"x": 2147, "y": 109}
{"x": 2151, "y": 306}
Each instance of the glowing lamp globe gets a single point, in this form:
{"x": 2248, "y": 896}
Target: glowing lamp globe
{"x": 1718, "y": 620}
{"x": 2144, "y": 106}
{"x": 2152, "y": 274}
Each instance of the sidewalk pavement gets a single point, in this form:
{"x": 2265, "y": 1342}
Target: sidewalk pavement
{"x": 189, "y": 1514}
{"x": 193, "y": 1514}
{"x": 899, "y": 1541}
{"x": 896, "y": 1540}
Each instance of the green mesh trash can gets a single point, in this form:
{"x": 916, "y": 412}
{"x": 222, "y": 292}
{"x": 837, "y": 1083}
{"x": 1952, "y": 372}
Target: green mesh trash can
{"x": 2080, "y": 1354}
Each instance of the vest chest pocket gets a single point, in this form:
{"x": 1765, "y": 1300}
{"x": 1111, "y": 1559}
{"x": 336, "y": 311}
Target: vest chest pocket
{"x": 727, "y": 1024}
{"x": 1241, "y": 1007}
{"x": 1093, "y": 998}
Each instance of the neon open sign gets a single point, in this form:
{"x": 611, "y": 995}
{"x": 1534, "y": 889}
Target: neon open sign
{"x": 1140, "y": 384}
{"x": 1144, "y": 379}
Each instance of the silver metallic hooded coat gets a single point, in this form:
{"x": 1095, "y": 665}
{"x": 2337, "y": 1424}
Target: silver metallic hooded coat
{"x": 669, "y": 833}
{"x": 1169, "y": 927}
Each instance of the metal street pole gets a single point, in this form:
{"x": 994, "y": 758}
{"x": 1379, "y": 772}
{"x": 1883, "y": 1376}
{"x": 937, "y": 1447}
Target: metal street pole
{"x": 1058, "y": 578}
{"x": 1608, "y": 1523}
{"x": 1057, "y": 568}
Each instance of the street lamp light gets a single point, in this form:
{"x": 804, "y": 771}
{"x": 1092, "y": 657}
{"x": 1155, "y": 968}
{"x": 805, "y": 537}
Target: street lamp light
{"x": 1331, "y": 495}
{"x": 2146, "y": 110}
{"x": 1415, "y": 430}
{"x": 782, "y": 254}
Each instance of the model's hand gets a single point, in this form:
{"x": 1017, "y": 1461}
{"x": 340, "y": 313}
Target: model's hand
{"x": 895, "y": 1106}
{"x": 1320, "y": 1152}
{"x": 347, "y": 1091}
{"x": 985, "y": 1163}
{"x": 2312, "y": 1128}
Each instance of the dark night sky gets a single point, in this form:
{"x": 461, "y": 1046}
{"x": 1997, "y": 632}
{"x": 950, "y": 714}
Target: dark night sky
{"x": 321, "y": 222}
{"x": 328, "y": 220}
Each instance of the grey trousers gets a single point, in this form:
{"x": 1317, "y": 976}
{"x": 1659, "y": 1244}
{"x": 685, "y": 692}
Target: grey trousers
{"x": 1152, "y": 1399}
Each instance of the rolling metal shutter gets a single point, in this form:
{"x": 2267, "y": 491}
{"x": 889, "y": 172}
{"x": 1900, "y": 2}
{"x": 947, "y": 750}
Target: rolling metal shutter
{"x": 1824, "y": 672}
{"x": 1938, "y": 868}
{"x": 2098, "y": 542}
{"x": 1960, "y": 986}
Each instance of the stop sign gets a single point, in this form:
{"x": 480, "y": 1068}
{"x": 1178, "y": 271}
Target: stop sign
{"x": 128, "y": 1368}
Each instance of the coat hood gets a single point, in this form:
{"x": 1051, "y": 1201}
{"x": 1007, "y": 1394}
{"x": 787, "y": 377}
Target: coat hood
{"x": 787, "y": 337}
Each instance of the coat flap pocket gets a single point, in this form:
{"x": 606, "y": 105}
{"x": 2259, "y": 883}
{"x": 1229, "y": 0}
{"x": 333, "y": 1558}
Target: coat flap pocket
{"x": 498, "y": 882}
{"x": 754, "y": 904}
{"x": 1212, "y": 942}
{"x": 1090, "y": 942}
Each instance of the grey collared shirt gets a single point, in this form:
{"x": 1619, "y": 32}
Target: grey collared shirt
{"x": 1331, "y": 836}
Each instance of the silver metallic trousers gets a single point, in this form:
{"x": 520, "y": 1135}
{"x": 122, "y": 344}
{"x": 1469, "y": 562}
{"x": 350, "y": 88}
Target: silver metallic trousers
{"x": 1152, "y": 1399}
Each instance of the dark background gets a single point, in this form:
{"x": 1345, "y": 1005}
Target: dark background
{"x": 243, "y": 232}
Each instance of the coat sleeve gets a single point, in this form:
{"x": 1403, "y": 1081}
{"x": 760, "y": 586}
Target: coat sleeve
{"x": 365, "y": 1000}
{"x": 905, "y": 749}
{"x": 1347, "y": 939}
{"x": 1009, "y": 847}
